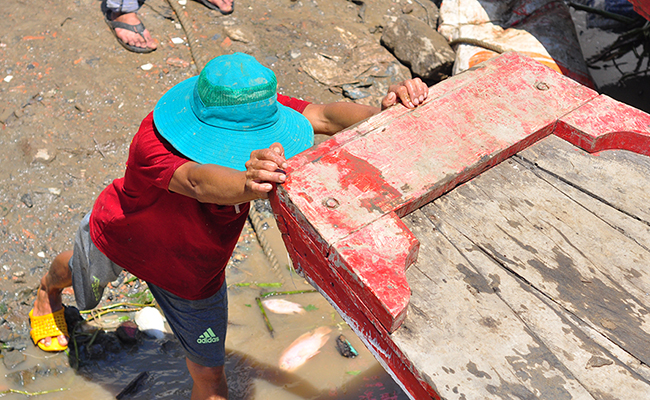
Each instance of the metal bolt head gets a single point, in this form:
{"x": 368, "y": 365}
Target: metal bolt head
{"x": 542, "y": 86}
{"x": 331, "y": 202}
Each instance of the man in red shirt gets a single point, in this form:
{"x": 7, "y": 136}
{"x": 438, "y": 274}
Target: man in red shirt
{"x": 212, "y": 144}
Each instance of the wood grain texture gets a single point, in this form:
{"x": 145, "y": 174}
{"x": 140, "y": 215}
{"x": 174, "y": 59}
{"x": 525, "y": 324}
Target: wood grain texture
{"x": 462, "y": 336}
{"x": 547, "y": 266}
{"x": 348, "y": 187}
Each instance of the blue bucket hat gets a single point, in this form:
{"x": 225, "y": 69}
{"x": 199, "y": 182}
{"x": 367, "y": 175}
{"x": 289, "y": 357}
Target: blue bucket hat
{"x": 228, "y": 111}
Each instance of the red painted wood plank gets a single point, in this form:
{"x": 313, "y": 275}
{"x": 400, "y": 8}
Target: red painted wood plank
{"x": 606, "y": 124}
{"x": 354, "y": 311}
{"x": 374, "y": 261}
{"x": 403, "y": 159}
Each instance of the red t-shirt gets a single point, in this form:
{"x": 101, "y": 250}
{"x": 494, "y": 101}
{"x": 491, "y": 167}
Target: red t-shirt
{"x": 168, "y": 239}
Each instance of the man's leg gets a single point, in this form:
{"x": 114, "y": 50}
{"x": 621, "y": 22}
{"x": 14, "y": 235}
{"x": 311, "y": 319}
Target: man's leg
{"x": 125, "y": 11}
{"x": 92, "y": 272}
{"x": 209, "y": 382}
{"x": 200, "y": 326}
{"x": 48, "y": 297}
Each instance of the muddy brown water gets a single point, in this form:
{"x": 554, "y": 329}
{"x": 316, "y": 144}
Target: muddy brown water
{"x": 70, "y": 100}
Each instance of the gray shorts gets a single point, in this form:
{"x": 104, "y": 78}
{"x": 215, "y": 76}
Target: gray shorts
{"x": 200, "y": 325}
{"x": 91, "y": 269}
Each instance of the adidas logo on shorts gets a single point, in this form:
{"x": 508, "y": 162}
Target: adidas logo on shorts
{"x": 207, "y": 337}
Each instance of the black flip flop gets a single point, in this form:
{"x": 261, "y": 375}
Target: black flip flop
{"x": 214, "y": 7}
{"x": 139, "y": 29}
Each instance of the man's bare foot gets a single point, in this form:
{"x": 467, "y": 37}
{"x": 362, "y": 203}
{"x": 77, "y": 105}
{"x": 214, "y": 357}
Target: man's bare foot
{"x": 226, "y": 6}
{"x": 143, "y": 41}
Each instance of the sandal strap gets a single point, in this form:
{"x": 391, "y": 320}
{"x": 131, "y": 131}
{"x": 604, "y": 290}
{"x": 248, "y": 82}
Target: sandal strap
{"x": 50, "y": 325}
{"x": 138, "y": 28}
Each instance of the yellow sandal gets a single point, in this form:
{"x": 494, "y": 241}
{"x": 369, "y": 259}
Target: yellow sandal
{"x": 50, "y": 325}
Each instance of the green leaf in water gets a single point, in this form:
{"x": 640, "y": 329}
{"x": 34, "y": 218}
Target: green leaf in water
{"x": 310, "y": 307}
{"x": 244, "y": 284}
{"x": 124, "y": 318}
{"x": 272, "y": 284}
{"x": 247, "y": 305}
{"x": 353, "y": 372}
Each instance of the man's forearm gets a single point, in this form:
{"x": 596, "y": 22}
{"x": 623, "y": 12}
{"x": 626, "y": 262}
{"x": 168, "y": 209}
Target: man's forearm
{"x": 343, "y": 115}
{"x": 329, "y": 119}
{"x": 210, "y": 183}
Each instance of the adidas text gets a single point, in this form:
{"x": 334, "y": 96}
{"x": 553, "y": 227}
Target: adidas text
{"x": 207, "y": 337}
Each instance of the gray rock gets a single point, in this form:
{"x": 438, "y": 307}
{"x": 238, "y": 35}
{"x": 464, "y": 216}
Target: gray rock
{"x": 24, "y": 377}
{"x": 5, "y": 331}
{"x": 11, "y": 359}
{"x": 27, "y": 200}
{"x": 419, "y": 47}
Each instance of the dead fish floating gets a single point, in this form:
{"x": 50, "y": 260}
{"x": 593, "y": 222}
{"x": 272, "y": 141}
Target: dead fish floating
{"x": 303, "y": 348}
{"x": 280, "y": 306}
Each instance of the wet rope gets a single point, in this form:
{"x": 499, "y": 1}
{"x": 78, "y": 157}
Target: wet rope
{"x": 197, "y": 54}
{"x": 255, "y": 218}
{"x": 257, "y": 221}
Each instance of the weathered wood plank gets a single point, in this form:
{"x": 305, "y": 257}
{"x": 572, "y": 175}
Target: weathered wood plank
{"x": 551, "y": 241}
{"x": 464, "y": 339}
{"x": 605, "y": 370}
{"x": 339, "y": 210}
{"x": 621, "y": 182}
{"x": 605, "y": 123}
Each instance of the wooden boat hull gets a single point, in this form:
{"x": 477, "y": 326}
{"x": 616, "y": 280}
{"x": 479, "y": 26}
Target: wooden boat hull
{"x": 344, "y": 209}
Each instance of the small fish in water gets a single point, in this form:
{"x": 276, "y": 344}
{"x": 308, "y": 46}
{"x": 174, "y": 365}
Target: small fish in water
{"x": 280, "y": 306}
{"x": 303, "y": 348}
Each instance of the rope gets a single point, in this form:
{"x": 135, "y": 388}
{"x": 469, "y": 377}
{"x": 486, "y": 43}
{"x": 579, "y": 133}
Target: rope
{"x": 197, "y": 54}
{"x": 257, "y": 221}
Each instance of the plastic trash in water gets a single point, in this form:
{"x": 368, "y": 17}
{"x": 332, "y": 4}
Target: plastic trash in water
{"x": 345, "y": 348}
{"x": 151, "y": 322}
